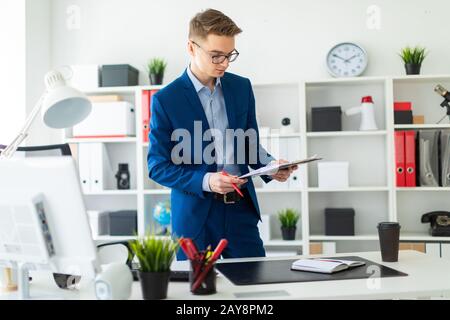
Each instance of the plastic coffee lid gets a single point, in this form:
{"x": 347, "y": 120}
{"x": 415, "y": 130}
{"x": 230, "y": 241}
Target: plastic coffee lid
{"x": 388, "y": 225}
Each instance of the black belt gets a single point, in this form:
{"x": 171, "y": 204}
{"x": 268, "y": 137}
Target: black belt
{"x": 228, "y": 198}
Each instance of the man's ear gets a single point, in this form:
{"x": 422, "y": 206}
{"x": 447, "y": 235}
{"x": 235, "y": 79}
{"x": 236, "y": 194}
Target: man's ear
{"x": 190, "y": 48}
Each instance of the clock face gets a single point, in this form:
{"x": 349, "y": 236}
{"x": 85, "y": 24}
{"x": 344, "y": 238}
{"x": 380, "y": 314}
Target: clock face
{"x": 346, "y": 60}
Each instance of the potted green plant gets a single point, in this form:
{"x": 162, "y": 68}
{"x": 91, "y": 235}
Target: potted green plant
{"x": 156, "y": 68}
{"x": 288, "y": 219}
{"x": 413, "y": 58}
{"x": 155, "y": 255}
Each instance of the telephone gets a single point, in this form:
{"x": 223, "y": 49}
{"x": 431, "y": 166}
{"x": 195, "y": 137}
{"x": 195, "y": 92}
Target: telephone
{"x": 439, "y": 223}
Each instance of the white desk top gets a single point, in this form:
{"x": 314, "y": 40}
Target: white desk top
{"x": 427, "y": 277}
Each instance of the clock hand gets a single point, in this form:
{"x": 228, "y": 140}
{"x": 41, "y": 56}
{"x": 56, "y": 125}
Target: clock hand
{"x": 336, "y": 56}
{"x": 348, "y": 60}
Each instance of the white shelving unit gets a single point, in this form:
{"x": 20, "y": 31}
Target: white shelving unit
{"x": 372, "y": 192}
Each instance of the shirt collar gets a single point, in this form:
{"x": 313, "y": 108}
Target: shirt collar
{"x": 197, "y": 84}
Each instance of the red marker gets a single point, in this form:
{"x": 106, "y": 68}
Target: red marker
{"x": 234, "y": 186}
{"x": 216, "y": 254}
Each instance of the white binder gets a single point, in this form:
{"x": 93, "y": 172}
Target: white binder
{"x": 294, "y": 153}
{"x": 101, "y": 172}
{"x": 445, "y": 157}
{"x": 84, "y": 166}
{"x": 278, "y": 149}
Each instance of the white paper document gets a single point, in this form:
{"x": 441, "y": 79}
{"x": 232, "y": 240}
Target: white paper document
{"x": 271, "y": 169}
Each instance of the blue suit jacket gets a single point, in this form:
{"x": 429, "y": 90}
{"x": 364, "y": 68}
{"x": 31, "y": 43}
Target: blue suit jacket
{"x": 177, "y": 106}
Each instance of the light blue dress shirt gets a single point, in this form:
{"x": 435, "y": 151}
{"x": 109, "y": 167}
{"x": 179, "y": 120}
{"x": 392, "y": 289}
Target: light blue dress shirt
{"x": 213, "y": 103}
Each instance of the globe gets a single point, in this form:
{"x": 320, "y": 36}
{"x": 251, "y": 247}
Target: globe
{"x": 162, "y": 212}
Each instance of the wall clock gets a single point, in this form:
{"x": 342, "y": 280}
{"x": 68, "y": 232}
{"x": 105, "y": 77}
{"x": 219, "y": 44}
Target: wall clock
{"x": 346, "y": 60}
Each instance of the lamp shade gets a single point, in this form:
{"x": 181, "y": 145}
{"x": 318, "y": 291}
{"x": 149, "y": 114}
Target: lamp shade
{"x": 63, "y": 106}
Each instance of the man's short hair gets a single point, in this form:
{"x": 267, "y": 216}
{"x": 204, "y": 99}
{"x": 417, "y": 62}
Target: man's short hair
{"x": 212, "y": 21}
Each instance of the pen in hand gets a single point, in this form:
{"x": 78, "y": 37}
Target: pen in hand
{"x": 234, "y": 185}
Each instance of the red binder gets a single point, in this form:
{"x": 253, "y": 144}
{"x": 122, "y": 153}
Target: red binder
{"x": 410, "y": 159}
{"x": 400, "y": 158}
{"x": 146, "y": 112}
{"x": 145, "y": 115}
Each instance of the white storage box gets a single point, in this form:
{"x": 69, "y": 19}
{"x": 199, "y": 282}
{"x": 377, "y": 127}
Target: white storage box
{"x": 108, "y": 120}
{"x": 333, "y": 174}
{"x": 84, "y": 77}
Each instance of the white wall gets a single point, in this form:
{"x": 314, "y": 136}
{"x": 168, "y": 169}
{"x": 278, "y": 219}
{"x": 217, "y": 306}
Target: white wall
{"x": 12, "y": 66}
{"x": 38, "y": 60}
{"x": 282, "y": 40}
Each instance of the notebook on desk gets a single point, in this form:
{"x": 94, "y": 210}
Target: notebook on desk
{"x": 322, "y": 265}
{"x": 279, "y": 271}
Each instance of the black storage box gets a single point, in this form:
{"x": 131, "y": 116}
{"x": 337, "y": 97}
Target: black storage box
{"x": 119, "y": 75}
{"x": 403, "y": 117}
{"x": 326, "y": 118}
{"x": 339, "y": 222}
{"x": 118, "y": 223}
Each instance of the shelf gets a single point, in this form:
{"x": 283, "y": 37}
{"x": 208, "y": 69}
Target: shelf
{"x": 114, "y": 238}
{"x": 416, "y": 236}
{"x": 345, "y": 134}
{"x": 422, "y": 126}
{"x": 101, "y": 140}
{"x": 422, "y": 78}
{"x": 350, "y": 189}
{"x": 258, "y": 190}
{"x": 283, "y": 243}
{"x": 112, "y": 193}
{"x": 122, "y": 90}
{"x": 403, "y": 189}
{"x": 264, "y": 190}
{"x": 337, "y": 238}
{"x": 279, "y": 135}
{"x": 348, "y": 80}
{"x": 403, "y": 237}
{"x": 157, "y": 191}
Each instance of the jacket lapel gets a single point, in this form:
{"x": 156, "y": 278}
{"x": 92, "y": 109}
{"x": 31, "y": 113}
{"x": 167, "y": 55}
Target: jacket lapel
{"x": 229, "y": 102}
{"x": 194, "y": 100}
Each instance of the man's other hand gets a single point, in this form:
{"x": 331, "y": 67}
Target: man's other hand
{"x": 283, "y": 175}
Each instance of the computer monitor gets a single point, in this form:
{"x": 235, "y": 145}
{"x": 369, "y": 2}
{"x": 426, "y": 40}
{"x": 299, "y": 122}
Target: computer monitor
{"x": 43, "y": 219}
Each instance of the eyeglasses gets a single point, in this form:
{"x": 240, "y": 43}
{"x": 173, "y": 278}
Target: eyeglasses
{"x": 220, "y": 58}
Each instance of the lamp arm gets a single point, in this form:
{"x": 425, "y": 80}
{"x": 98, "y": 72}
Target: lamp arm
{"x": 9, "y": 151}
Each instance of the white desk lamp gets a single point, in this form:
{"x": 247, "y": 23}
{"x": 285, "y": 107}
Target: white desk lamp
{"x": 61, "y": 107}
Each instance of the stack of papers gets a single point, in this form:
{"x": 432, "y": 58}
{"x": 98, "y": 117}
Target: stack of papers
{"x": 325, "y": 265}
{"x": 271, "y": 169}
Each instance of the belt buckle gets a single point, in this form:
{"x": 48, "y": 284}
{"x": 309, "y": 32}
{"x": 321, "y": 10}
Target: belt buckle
{"x": 226, "y": 201}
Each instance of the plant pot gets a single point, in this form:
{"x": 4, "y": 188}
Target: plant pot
{"x": 154, "y": 284}
{"x": 412, "y": 68}
{"x": 156, "y": 79}
{"x": 288, "y": 233}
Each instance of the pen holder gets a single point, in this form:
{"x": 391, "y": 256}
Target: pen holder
{"x": 208, "y": 285}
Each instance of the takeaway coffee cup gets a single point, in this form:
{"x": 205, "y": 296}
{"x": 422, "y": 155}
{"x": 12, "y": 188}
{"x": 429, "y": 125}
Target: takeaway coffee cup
{"x": 389, "y": 235}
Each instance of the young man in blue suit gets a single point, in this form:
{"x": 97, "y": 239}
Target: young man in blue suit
{"x": 198, "y": 111}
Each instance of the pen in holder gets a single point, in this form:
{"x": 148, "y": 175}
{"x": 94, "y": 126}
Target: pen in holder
{"x": 206, "y": 284}
{"x": 202, "y": 276}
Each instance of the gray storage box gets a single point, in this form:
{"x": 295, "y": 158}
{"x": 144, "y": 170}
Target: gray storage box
{"x": 326, "y": 118}
{"x": 339, "y": 221}
{"x": 119, "y": 75}
{"x": 118, "y": 223}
